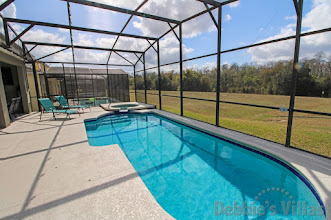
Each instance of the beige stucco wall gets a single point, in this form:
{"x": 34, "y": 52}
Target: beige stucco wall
{"x": 33, "y": 93}
{"x": 9, "y": 58}
{"x": 53, "y": 85}
{"x": 4, "y": 116}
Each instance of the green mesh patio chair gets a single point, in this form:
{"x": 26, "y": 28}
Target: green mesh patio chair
{"x": 48, "y": 107}
{"x": 65, "y": 105}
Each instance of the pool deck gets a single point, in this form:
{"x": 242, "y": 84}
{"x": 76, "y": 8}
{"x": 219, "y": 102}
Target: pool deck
{"x": 48, "y": 170}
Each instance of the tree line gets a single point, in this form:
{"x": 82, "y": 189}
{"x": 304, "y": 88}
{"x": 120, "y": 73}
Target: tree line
{"x": 314, "y": 78}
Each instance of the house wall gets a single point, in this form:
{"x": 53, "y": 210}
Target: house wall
{"x": 9, "y": 58}
{"x": 4, "y": 116}
{"x": 53, "y": 85}
{"x": 42, "y": 86}
{"x": 33, "y": 93}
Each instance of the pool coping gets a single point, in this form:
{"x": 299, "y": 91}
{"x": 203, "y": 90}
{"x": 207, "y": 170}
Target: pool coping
{"x": 140, "y": 106}
{"x": 293, "y": 159}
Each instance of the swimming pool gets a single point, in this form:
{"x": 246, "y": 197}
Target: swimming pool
{"x": 194, "y": 175}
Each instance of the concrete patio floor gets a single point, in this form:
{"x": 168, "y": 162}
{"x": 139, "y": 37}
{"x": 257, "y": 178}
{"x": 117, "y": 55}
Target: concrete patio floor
{"x": 48, "y": 170}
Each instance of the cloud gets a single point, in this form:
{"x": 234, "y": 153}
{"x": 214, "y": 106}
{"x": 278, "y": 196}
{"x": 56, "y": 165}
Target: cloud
{"x": 81, "y": 55}
{"x": 319, "y": 17}
{"x": 17, "y": 27}
{"x": 84, "y": 40}
{"x": 169, "y": 46}
{"x": 209, "y": 65}
{"x": 131, "y": 44}
{"x": 150, "y": 27}
{"x": 315, "y": 19}
{"x": 100, "y": 19}
{"x": 9, "y": 11}
{"x": 129, "y": 4}
{"x": 273, "y": 52}
{"x": 234, "y": 4}
{"x": 65, "y": 56}
{"x": 227, "y": 17}
{"x": 86, "y": 56}
{"x": 174, "y": 9}
{"x": 169, "y": 52}
{"x": 39, "y": 35}
{"x": 105, "y": 42}
{"x": 293, "y": 17}
{"x": 43, "y": 36}
{"x": 65, "y": 31}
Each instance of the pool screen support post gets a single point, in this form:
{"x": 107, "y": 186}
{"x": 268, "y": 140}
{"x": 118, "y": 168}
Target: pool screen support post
{"x": 145, "y": 80}
{"x": 65, "y": 86}
{"x": 108, "y": 87}
{"x": 181, "y": 68}
{"x": 72, "y": 49}
{"x": 219, "y": 38}
{"x": 46, "y": 81}
{"x": 299, "y": 7}
{"x": 71, "y": 85}
{"x": 92, "y": 86}
{"x": 35, "y": 76}
{"x": 159, "y": 74}
{"x": 135, "y": 82}
{"x": 64, "y": 73}
{"x": 5, "y": 26}
{"x": 24, "y": 52}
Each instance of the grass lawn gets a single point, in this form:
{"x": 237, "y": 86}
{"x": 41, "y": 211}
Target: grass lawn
{"x": 310, "y": 132}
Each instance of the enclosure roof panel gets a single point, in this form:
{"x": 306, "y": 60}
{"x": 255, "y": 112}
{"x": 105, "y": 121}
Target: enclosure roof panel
{"x": 121, "y": 4}
{"x": 110, "y": 71}
{"x": 84, "y": 70}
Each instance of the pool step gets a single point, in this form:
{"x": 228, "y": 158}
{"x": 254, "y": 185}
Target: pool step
{"x": 107, "y": 121}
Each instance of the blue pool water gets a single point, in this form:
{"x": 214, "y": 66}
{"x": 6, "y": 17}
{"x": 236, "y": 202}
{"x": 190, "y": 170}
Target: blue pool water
{"x": 193, "y": 175}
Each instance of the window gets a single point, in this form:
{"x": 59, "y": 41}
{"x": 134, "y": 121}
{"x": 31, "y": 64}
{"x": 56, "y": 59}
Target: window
{"x": 7, "y": 76}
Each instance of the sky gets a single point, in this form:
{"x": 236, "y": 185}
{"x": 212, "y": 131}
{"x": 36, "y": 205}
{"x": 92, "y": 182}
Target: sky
{"x": 243, "y": 22}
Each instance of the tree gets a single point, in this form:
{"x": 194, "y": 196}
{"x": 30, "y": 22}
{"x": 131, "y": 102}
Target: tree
{"x": 275, "y": 78}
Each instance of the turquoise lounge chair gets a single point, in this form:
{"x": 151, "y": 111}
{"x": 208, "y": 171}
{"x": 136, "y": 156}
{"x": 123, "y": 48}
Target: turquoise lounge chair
{"x": 48, "y": 107}
{"x": 65, "y": 105}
